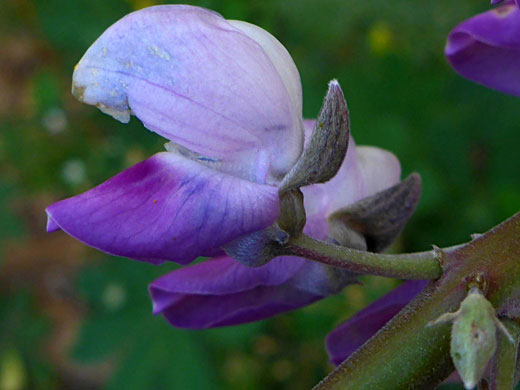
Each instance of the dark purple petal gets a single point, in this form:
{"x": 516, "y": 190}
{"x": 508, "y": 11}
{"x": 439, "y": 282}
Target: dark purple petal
{"x": 486, "y": 49}
{"x": 352, "y": 334}
{"x": 227, "y": 91}
{"x": 495, "y": 2}
{"x": 222, "y": 291}
{"x": 166, "y": 208}
{"x": 52, "y": 226}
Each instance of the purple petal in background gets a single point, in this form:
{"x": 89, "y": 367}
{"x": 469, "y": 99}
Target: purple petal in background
{"x": 201, "y": 82}
{"x": 486, "y": 49}
{"x": 166, "y": 208}
{"x": 495, "y": 2}
{"x": 352, "y": 334}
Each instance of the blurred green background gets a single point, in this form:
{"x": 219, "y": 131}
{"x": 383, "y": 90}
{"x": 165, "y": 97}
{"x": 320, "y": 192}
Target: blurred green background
{"x": 74, "y": 318}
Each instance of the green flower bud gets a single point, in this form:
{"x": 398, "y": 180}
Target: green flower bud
{"x": 326, "y": 150}
{"x": 373, "y": 223}
{"x": 473, "y": 336}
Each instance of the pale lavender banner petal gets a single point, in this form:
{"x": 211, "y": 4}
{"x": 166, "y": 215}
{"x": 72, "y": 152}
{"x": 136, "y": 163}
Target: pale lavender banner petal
{"x": 166, "y": 208}
{"x": 486, "y": 49}
{"x": 352, "y": 334}
{"x": 280, "y": 58}
{"x": 380, "y": 169}
{"x": 308, "y": 128}
{"x": 222, "y": 291}
{"x": 199, "y": 81}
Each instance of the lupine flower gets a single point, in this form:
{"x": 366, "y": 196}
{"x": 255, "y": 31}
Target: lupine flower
{"x": 221, "y": 291}
{"x": 486, "y": 48}
{"x": 227, "y": 96}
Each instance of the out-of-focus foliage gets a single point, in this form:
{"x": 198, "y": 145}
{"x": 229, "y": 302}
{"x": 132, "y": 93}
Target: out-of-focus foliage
{"x": 72, "y": 318}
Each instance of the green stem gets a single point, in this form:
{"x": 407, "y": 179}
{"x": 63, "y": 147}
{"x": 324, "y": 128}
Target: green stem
{"x": 405, "y": 353}
{"x": 420, "y": 265}
{"x": 504, "y": 368}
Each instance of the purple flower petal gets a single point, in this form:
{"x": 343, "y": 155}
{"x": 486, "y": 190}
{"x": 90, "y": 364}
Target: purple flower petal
{"x": 380, "y": 169}
{"x": 486, "y": 49}
{"x": 280, "y": 57}
{"x": 495, "y": 2}
{"x": 166, "y": 208}
{"x": 352, "y": 334}
{"x": 222, "y": 291}
{"x": 203, "y": 83}
{"x": 52, "y": 226}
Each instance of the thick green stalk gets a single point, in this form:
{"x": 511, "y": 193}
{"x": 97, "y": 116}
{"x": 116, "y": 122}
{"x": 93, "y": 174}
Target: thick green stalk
{"x": 407, "y": 354}
{"x": 503, "y": 370}
{"x": 420, "y": 265}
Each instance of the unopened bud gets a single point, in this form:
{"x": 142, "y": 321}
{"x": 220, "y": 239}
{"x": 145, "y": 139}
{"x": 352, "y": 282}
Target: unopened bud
{"x": 326, "y": 150}
{"x": 378, "y": 219}
{"x": 473, "y": 336}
